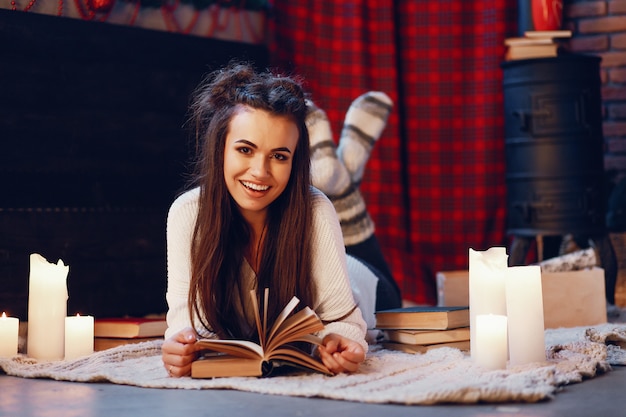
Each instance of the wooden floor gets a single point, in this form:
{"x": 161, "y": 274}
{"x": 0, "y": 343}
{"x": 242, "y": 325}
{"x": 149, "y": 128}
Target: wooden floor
{"x": 600, "y": 396}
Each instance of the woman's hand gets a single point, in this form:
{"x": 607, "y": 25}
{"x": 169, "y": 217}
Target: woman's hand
{"x": 340, "y": 354}
{"x": 179, "y": 351}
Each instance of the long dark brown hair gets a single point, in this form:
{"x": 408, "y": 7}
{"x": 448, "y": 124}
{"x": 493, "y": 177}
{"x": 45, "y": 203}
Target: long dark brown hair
{"x": 221, "y": 234}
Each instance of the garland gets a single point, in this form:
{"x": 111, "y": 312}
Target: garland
{"x": 101, "y": 9}
{"x": 257, "y": 5}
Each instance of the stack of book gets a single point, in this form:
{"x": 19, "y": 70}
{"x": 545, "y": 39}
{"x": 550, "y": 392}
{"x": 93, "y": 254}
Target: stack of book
{"x": 112, "y": 332}
{"x": 419, "y": 329}
{"x": 535, "y": 44}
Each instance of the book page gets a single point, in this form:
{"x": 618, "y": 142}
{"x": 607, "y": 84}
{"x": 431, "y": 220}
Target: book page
{"x": 292, "y": 355}
{"x": 295, "y": 329}
{"x": 281, "y": 318}
{"x": 260, "y": 328}
{"x": 239, "y": 348}
{"x": 266, "y": 299}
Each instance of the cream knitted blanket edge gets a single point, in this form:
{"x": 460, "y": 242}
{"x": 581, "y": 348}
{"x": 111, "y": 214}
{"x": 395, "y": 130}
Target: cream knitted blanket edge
{"x": 443, "y": 375}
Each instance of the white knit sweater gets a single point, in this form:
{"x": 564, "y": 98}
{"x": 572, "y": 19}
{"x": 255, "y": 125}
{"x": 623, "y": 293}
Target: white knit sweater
{"x": 331, "y": 266}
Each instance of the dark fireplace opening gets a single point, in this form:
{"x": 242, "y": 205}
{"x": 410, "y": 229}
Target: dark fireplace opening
{"x": 94, "y": 150}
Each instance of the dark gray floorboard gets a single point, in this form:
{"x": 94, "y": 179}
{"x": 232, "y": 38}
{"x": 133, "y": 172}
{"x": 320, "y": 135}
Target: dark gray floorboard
{"x": 603, "y": 396}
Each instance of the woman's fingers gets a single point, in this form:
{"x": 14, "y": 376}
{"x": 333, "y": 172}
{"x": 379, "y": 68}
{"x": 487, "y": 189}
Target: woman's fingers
{"x": 178, "y": 371}
{"x": 340, "y": 354}
{"x": 178, "y": 352}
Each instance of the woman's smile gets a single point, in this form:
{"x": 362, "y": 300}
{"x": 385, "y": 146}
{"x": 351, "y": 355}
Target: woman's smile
{"x": 255, "y": 187}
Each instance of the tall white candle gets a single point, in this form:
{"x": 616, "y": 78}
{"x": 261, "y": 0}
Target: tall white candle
{"x": 486, "y": 286}
{"x": 78, "y": 336}
{"x": 47, "y": 308}
{"x": 524, "y": 301}
{"x": 9, "y": 332}
{"x": 491, "y": 341}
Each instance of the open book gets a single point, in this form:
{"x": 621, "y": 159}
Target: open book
{"x": 223, "y": 358}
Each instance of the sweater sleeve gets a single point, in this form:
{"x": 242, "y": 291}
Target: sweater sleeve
{"x": 334, "y": 301}
{"x": 181, "y": 220}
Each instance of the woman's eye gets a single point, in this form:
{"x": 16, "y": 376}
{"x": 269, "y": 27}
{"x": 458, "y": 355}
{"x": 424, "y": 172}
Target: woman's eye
{"x": 279, "y": 157}
{"x": 245, "y": 150}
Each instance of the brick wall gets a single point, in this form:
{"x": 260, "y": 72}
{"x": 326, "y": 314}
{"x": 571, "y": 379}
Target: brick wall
{"x": 599, "y": 28}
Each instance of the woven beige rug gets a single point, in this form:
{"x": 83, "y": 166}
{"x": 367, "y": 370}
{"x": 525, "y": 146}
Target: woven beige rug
{"x": 439, "y": 376}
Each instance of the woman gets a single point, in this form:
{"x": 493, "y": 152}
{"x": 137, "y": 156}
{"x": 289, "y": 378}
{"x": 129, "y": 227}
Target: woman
{"x": 253, "y": 221}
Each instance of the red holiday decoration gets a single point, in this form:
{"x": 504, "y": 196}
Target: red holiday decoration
{"x": 89, "y": 9}
{"x": 101, "y": 6}
{"x": 547, "y": 14}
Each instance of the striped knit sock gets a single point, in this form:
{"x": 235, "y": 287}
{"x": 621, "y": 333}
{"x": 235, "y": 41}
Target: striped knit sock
{"x": 330, "y": 176}
{"x": 327, "y": 172}
{"x": 364, "y": 122}
{"x": 356, "y": 223}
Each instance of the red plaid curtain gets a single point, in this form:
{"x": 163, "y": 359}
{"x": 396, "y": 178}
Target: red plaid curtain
{"x": 434, "y": 184}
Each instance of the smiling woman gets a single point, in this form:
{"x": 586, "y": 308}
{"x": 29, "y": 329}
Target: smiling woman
{"x": 251, "y": 220}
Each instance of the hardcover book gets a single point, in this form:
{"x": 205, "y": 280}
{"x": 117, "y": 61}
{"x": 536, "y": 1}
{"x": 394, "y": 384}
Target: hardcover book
{"x": 427, "y": 337}
{"x": 129, "y": 327}
{"x": 104, "y": 343}
{"x": 463, "y": 345}
{"x": 536, "y": 44}
{"x": 423, "y": 318}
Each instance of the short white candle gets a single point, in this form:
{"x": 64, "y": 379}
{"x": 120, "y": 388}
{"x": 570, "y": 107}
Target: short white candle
{"x": 78, "y": 336}
{"x": 486, "y": 286}
{"x": 47, "y": 308}
{"x": 9, "y": 332}
{"x": 524, "y": 301}
{"x": 491, "y": 341}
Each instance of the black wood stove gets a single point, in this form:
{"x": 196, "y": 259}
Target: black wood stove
{"x": 554, "y": 156}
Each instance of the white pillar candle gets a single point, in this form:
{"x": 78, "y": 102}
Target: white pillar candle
{"x": 524, "y": 301}
{"x": 9, "y": 332}
{"x": 491, "y": 341}
{"x": 486, "y": 286}
{"x": 78, "y": 336}
{"x": 47, "y": 308}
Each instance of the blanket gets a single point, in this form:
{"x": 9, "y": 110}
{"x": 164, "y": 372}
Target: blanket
{"x": 443, "y": 375}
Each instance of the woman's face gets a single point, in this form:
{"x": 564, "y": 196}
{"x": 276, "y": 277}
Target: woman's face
{"x": 258, "y": 156}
